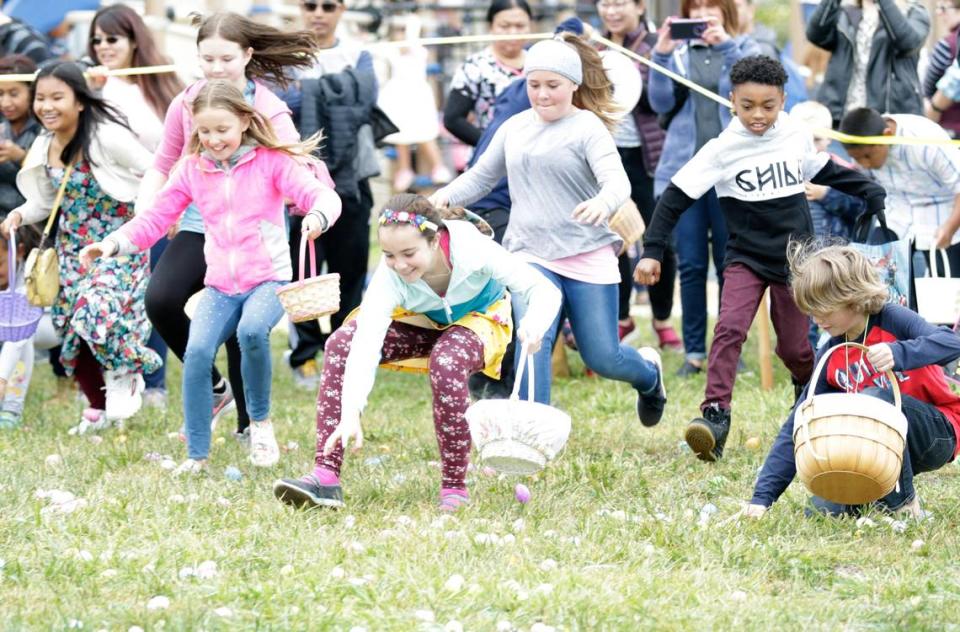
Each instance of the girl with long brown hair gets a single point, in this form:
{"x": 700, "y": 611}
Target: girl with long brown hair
{"x": 566, "y": 181}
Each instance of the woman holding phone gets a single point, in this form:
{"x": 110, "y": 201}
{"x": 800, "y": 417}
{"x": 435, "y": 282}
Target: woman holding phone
{"x": 691, "y": 120}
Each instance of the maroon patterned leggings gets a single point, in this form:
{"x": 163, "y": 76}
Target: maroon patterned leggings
{"x": 455, "y": 354}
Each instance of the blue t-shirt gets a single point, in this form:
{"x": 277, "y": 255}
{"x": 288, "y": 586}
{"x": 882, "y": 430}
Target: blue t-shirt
{"x": 191, "y": 221}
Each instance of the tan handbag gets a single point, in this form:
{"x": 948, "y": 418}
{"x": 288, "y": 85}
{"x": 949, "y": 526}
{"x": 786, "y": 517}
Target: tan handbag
{"x": 628, "y": 223}
{"x": 42, "y": 268}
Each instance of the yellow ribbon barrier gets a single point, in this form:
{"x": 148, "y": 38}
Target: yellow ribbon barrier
{"x": 123, "y": 72}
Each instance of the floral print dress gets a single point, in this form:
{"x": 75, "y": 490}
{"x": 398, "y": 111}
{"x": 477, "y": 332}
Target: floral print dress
{"x": 104, "y": 306}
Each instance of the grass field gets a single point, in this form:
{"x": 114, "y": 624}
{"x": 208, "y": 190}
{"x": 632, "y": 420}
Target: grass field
{"x": 611, "y": 540}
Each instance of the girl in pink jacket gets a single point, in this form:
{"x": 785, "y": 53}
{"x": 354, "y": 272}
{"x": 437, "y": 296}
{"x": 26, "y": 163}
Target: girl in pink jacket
{"x": 238, "y": 174}
{"x": 245, "y": 53}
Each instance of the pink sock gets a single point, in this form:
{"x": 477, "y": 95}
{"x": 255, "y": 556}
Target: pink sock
{"x": 453, "y": 499}
{"x": 326, "y": 476}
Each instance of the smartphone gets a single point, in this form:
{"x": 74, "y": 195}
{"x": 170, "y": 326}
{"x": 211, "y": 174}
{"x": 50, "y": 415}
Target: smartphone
{"x": 685, "y": 29}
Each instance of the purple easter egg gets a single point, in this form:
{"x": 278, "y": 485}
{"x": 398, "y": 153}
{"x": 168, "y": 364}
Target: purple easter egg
{"x": 521, "y": 493}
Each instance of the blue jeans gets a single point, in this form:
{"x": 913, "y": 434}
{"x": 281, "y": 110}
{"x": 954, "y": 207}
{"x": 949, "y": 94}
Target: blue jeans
{"x": 931, "y": 443}
{"x": 157, "y": 379}
{"x": 251, "y": 315}
{"x": 700, "y": 226}
{"x": 592, "y": 311}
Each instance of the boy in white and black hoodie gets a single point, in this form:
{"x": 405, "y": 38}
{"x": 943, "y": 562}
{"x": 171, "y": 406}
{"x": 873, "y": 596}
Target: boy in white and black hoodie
{"x": 758, "y": 165}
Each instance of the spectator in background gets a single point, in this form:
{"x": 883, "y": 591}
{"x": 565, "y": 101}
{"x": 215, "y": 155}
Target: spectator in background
{"x": 639, "y": 139}
{"x": 875, "y": 46}
{"x": 765, "y": 36}
{"x": 943, "y": 56}
{"x": 483, "y": 76}
{"x": 18, "y": 128}
{"x": 346, "y": 246}
{"x": 691, "y": 120}
{"x": 19, "y": 38}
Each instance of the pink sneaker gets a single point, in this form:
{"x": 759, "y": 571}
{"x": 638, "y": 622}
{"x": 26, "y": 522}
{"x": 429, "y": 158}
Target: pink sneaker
{"x": 669, "y": 339}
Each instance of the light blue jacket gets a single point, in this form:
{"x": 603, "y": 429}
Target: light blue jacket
{"x": 679, "y": 146}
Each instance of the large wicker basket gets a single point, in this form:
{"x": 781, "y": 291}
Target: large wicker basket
{"x": 848, "y": 447}
{"x": 18, "y": 318}
{"x": 515, "y": 436}
{"x": 313, "y": 297}
{"x": 628, "y": 223}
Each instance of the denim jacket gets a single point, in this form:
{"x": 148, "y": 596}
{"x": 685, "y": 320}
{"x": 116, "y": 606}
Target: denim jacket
{"x": 679, "y": 146}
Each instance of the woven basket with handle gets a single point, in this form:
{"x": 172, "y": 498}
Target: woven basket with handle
{"x": 848, "y": 447}
{"x": 313, "y": 297}
{"x": 628, "y": 223}
{"x": 18, "y": 318}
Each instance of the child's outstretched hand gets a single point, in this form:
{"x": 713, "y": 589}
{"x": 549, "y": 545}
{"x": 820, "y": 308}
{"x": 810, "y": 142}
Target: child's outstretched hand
{"x": 647, "y": 272}
{"x": 439, "y": 199}
{"x": 880, "y": 356}
{"x": 94, "y": 251}
{"x": 313, "y": 226}
{"x": 591, "y": 212}
{"x": 530, "y": 340}
{"x": 755, "y": 511}
{"x": 349, "y": 427}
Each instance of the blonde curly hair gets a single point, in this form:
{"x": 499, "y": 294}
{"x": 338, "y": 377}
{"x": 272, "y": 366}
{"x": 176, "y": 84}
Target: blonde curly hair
{"x": 825, "y": 278}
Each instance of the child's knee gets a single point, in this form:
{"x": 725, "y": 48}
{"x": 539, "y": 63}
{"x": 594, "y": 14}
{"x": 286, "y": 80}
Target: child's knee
{"x": 252, "y": 336}
{"x": 201, "y": 354}
{"x": 338, "y": 343}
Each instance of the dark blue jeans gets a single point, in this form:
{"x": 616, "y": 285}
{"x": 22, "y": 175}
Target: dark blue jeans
{"x": 931, "y": 443}
{"x": 592, "y": 310}
{"x": 157, "y": 379}
{"x": 700, "y": 226}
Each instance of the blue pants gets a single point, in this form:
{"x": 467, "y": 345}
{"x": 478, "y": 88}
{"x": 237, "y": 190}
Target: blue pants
{"x": 157, "y": 379}
{"x": 931, "y": 443}
{"x": 592, "y": 310}
{"x": 700, "y": 226}
{"x": 251, "y": 315}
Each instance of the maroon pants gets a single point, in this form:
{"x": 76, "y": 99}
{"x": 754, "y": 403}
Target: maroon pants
{"x": 742, "y": 292}
{"x": 89, "y": 375}
{"x": 455, "y": 354}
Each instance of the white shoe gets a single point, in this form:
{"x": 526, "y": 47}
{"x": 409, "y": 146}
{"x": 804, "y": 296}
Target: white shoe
{"x": 92, "y": 420}
{"x": 264, "y": 450}
{"x": 190, "y": 466}
{"x": 124, "y": 394}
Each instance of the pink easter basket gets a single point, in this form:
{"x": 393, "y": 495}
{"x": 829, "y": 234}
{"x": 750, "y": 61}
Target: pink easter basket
{"x": 18, "y": 318}
{"x": 310, "y": 298}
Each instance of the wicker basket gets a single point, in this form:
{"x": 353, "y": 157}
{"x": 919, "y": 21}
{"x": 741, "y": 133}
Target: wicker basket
{"x": 313, "y": 297}
{"x": 628, "y": 223}
{"x": 515, "y": 436}
{"x": 18, "y": 318}
{"x": 848, "y": 447}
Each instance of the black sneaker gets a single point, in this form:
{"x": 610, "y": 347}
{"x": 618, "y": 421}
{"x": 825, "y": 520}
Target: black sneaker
{"x": 688, "y": 368}
{"x": 650, "y": 405}
{"x": 307, "y": 492}
{"x": 707, "y": 435}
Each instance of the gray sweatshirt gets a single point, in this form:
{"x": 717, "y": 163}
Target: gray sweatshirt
{"x": 551, "y": 167}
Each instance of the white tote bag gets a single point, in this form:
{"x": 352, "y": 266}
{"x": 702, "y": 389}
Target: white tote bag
{"x": 938, "y": 297}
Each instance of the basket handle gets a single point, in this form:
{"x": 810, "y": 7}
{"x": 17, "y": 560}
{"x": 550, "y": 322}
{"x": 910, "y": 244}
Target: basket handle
{"x": 525, "y": 358}
{"x": 12, "y": 262}
{"x": 303, "y": 258}
{"x": 932, "y": 268}
{"x": 894, "y": 386}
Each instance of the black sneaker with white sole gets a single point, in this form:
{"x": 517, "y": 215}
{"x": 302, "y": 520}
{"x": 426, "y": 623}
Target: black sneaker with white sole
{"x": 650, "y": 405}
{"x": 707, "y": 435}
{"x": 307, "y": 492}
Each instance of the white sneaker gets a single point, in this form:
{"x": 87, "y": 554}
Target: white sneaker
{"x": 92, "y": 420}
{"x": 124, "y": 394}
{"x": 190, "y": 466}
{"x": 264, "y": 450}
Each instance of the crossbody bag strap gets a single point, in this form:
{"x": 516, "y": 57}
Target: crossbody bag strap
{"x": 56, "y": 203}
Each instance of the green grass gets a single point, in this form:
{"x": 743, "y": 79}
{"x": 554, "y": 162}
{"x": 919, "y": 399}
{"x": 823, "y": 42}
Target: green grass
{"x": 610, "y": 539}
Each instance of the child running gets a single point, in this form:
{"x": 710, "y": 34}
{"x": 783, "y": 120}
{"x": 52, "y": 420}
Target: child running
{"x": 438, "y": 296}
{"x": 245, "y": 53}
{"x": 567, "y": 181}
{"x": 89, "y": 153}
{"x": 238, "y": 174}
{"x": 758, "y": 165}
{"x": 839, "y": 288}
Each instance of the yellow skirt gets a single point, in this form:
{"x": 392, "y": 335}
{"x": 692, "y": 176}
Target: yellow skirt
{"x": 494, "y": 327}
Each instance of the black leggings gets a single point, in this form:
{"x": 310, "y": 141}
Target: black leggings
{"x": 178, "y": 276}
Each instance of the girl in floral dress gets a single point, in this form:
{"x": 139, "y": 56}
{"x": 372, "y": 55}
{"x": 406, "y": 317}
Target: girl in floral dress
{"x": 90, "y": 152}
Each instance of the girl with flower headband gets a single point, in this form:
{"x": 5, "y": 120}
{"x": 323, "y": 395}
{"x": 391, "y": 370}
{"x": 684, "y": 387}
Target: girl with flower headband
{"x": 566, "y": 182}
{"x": 437, "y": 303}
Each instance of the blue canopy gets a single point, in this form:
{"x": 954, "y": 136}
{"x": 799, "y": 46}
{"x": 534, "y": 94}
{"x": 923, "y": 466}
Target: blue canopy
{"x": 46, "y": 15}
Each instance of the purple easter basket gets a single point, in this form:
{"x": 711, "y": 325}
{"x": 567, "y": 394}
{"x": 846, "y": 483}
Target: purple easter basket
{"x": 18, "y": 318}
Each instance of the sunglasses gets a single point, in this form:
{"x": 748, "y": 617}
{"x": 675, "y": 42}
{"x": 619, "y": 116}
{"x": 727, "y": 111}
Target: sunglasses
{"x": 328, "y": 7}
{"x": 109, "y": 39}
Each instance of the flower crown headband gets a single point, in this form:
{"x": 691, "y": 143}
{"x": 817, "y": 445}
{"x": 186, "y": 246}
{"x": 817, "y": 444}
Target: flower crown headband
{"x": 390, "y": 216}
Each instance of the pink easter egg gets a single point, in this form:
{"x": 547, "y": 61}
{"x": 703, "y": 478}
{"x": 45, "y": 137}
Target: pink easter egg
{"x": 521, "y": 493}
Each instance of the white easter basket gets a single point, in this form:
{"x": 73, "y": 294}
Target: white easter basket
{"x": 938, "y": 297}
{"x": 514, "y": 436}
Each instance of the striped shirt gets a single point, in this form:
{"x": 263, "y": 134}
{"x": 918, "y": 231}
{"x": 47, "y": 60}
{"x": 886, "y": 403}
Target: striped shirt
{"x": 17, "y": 38}
{"x": 922, "y": 181}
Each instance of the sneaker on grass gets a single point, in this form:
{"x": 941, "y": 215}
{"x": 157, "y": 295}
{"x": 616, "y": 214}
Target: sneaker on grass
{"x": 307, "y": 492}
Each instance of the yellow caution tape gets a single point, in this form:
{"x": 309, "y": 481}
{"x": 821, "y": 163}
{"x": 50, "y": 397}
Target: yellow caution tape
{"x": 123, "y": 72}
